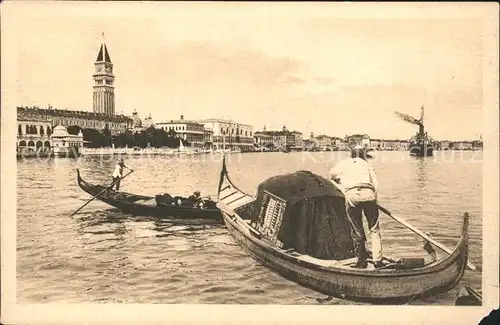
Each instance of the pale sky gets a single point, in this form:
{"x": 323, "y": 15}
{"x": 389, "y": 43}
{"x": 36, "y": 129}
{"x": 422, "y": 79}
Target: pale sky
{"x": 309, "y": 66}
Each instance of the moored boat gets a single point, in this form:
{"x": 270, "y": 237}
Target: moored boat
{"x": 147, "y": 205}
{"x": 297, "y": 226}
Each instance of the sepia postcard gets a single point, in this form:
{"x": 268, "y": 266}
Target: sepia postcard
{"x": 249, "y": 163}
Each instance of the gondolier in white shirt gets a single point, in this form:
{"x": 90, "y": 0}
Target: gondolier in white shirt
{"x": 358, "y": 181}
{"x": 118, "y": 173}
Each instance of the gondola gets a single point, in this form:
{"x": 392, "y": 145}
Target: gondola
{"x": 276, "y": 229}
{"x": 146, "y": 205}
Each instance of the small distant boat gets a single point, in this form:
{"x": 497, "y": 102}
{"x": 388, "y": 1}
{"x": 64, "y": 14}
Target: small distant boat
{"x": 146, "y": 205}
{"x": 297, "y": 227}
{"x": 468, "y": 297}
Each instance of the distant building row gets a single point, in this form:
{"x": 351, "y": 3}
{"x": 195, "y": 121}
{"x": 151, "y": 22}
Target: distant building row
{"x": 36, "y": 124}
{"x": 82, "y": 119}
{"x": 323, "y": 142}
{"x": 283, "y": 139}
{"x": 39, "y": 135}
{"x": 211, "y": 133}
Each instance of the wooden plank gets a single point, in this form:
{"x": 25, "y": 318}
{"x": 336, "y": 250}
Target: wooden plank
{"x": 237, "y": 199}
{"x": 225, "y": 197}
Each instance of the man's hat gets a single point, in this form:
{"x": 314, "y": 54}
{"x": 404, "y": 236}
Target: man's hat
{"x": 197, "y": 192}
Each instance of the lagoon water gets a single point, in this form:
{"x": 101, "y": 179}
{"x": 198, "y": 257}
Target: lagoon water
{"x": 104, "y": 255}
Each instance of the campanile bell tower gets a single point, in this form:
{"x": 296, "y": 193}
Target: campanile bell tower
{"x": 104, "y": 90}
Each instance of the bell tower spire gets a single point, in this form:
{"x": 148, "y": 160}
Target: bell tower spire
{"x": 104, "y": 94}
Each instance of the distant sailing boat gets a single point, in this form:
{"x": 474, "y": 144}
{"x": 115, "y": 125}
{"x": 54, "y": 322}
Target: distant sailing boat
{"x": 181, "y": 148}
{"x": 420, "y": 145}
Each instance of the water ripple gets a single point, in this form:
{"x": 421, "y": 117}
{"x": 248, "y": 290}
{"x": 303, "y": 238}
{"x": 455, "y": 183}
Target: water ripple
{"x": 103, "y": 255}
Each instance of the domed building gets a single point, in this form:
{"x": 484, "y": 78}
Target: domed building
{"x": 137, "y": 124}
{"x": 148, "y": 121}
{"x": 65, "y": 144}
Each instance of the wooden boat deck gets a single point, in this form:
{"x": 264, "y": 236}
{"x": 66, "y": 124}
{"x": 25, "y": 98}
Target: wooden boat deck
{"x": 346, "y": 263}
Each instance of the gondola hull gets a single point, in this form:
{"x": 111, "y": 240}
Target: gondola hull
{"x": 131, "y": 203}
{"x": 337, "y": 278}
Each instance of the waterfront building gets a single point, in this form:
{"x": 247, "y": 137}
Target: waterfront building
{"x": 358, "y": 139}
{"x": 403, "y": 144}
{"x": 64, "y": 143}
{"x": 33, "y": 134}
{"x": 323, "y": 142}
{"x": 228, "y": 134}
{"x": 262, "y": 139}
{"x": 104, "y": 94}
{"x": 309, "y": 144}
{"x": 84, "y": 120}
{"x": 295, "y": 140}
{"x": 208, "y": 137}
{"x": 462, "y": 145}
{"x": 281, "y": 139}
{"x": 390, "y": 145}
{"x": 292, "y": 139}
{"x": 376, "y": 144}
{"x": 337, "y": 143}
{"x": 444, "y": 145}
{"x": 477, "y": 144}
{"x": 190, "y": 131}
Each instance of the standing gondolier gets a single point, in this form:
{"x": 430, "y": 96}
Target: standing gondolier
{"x": 359, "y": 184}
{"x": 118, "y": 173}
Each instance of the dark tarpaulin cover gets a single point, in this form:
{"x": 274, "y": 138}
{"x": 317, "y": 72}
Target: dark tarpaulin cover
{"x": 315, "y": 221}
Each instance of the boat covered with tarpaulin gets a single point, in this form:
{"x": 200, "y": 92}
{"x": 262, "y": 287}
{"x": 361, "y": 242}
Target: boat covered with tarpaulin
{"x": 297, "y": 226}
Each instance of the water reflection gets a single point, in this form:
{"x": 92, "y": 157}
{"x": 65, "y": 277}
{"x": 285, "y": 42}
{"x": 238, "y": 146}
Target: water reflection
{"x": 421, "y": 172}
{"x": 109, "y": 224}
{"x": 109, "y": 255}
{"x": 114, "y": 222}
{"x": 420, "y": 181}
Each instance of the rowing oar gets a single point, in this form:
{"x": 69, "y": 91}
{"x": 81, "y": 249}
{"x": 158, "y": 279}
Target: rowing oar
{"x": 407, "y": 225}
{"x": 95, "y": 197}
{"x": 421, "y": 234}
